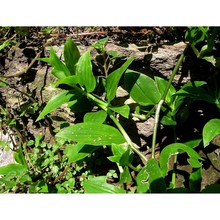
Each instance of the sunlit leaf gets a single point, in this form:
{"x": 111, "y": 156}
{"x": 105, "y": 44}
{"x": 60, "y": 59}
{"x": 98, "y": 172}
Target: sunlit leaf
{"x": 84, "y": 72}
{"x": 150, "y": 178}
{"x": 71, "y": 55}
{"x": 92, "y": 134}
{"x": 78, "y": 152}
{"x": 141, "y": 88}
{"x": 123, "y": 110}
{"x": 210, "y": 131}
{"x": 99, "y": 185}
{"x": 114, "y": 78}
{"x": 96, "y": 117}
{"x": 57, "y": 101}
{"x": 177, "y": 148}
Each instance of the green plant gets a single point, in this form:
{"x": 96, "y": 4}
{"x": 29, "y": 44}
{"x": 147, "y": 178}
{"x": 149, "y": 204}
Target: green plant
{"x": 95, "y": 131}
{"x": 96, "y": 154}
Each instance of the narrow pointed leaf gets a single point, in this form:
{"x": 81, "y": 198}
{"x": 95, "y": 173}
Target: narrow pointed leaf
{"x": 114, "y": 78}
{"x": 210, "y": 131}
{"x": 56, "y": 102}
{"x": 92, "y": 134}
{"x": 71, "y": 55}
{"x": 56, "y": 63}
{"x": 84, "y": 72}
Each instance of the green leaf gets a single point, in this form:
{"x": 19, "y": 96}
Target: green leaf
{"x": 92, "y": 133}
{"x": 71, "y": 55}
{"x": 123, "y": 110}
{"x": 96, "y": 117}
{"x": 69, "y": 80}
{"x": 177, "y": 148}
{"x": 81, "y": 104}
{"x": 99, "y": 185}
{"x": 193, "y": 140}
{"x": 57, "y": 101}
{"x": 162, "y": 85}
{"x": 84, "y": 72}
{"x": 213, "y": 188}
{"x": 150, "y": 178}
{"x": 99, "y": 45}
{"x": 19, "y": 157}
{"x": 125, "y": 177}
{"x": 13, "y": 170}
{"x": 5, "y": 44}
{"x": 197, "y": 93}
{"x": 141, "y": 88}
{"x": 210, "y": 131}
{"x": 126, "y": 158}
{"x": 118, "y": 151}
{"x": 59, "y": 74}
{"x": 195, "y": 179}
{"x": 114, "y": 78}
{"x": 79, "y": 151}
{"x": 56, "y": 63}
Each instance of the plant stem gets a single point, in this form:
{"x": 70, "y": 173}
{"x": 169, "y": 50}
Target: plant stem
{"x": 157, "y": 114}
{"x": 127, "y": 138}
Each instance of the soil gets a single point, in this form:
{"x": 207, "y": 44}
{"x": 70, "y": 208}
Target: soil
{"x": 156, "y": 51}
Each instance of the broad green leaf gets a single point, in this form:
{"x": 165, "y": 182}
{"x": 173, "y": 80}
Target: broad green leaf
{"x": 69, "y": 80}
{"x": 99, "y": 185}
{"x": 92, "y": 134}
{"x": 150, "y": 178}
{"x": 125, "y": 177}
{"x": 177, "y": 148}
{"x": 96, "y": 117}
{"x": 71, "y": 55}
{"x": 141, "y": 88}
{"x": 162, "y": 85}
{"x": 118, "y": 151}
{"x": 123, "y": 110}
{"x": 114, "y": 78}
{"x": 13, "y": 170}
{"x": 78, "y": 152}
{"x": 210, "y": 131}
{"x": 57, "y": 101}
{"x": 56, "y": 63}
{"x": 84, "y": 72}
{"x": 195, "y": 179}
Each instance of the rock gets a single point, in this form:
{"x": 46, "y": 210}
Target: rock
{"x": 6, "y": 156}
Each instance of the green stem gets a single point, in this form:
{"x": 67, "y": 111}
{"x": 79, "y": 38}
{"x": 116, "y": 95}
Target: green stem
{"x": 175, "y": 162}
{"x": 127, "y": 138}
{"x": 156, "y": 122}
